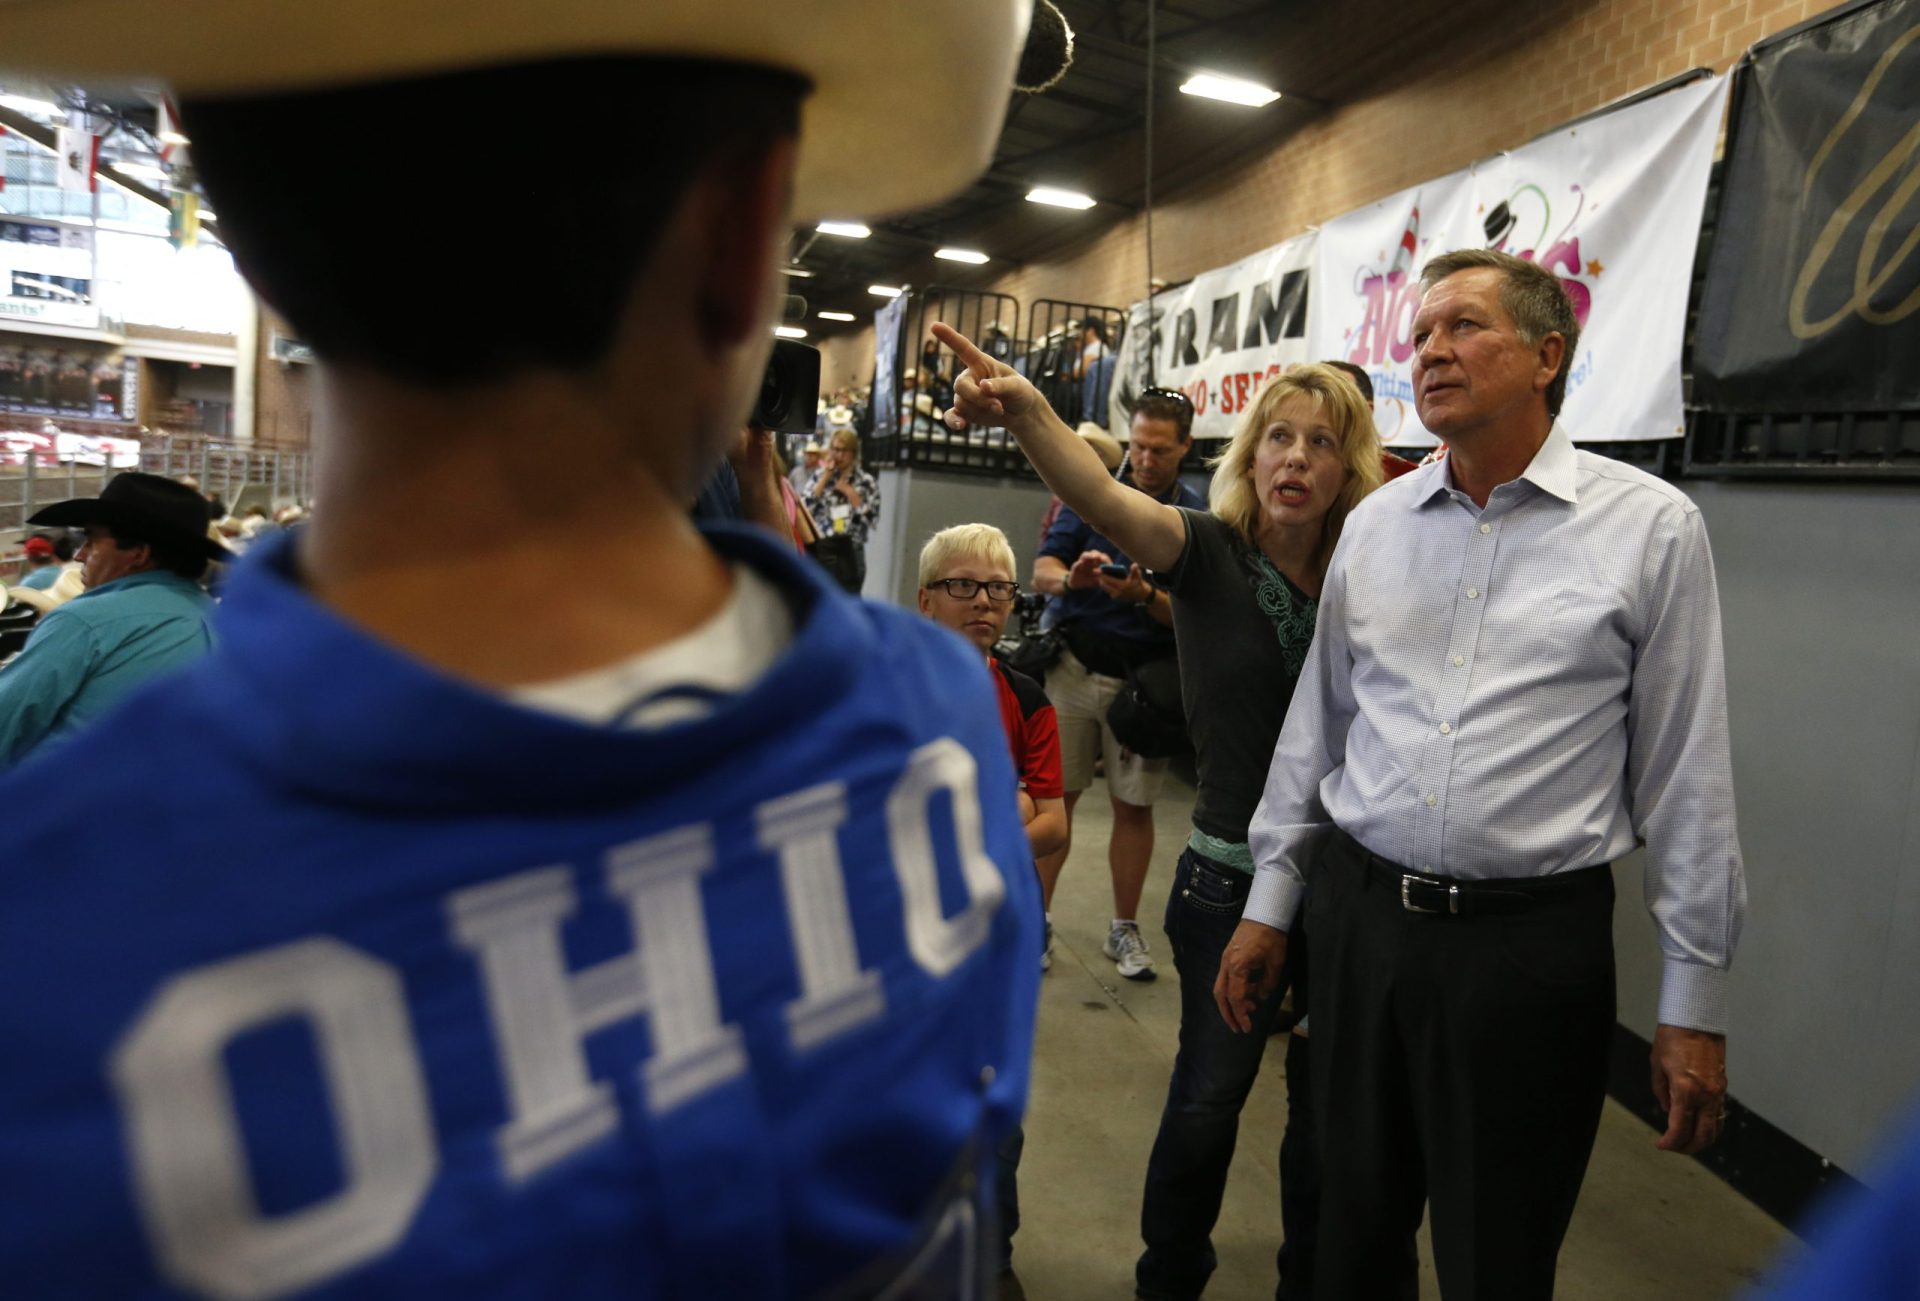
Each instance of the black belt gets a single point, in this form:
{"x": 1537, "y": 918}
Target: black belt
{"x": 1447, "y": 896}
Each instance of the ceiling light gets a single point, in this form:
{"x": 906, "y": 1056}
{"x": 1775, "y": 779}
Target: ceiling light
{"x": 883, "y": 291}
{"x": 27, "y": 104}
{"x": 144, "y": 170}
{"x": 1230, "y": 89}
{"x": 173, "y": 138}
{"x": 800, "y": 272}
{"x": 845, "y": 229}
{"x": 789, "y": 331}
{"x": 961, "y": 255}
{"x": 1059, "y": 198}
{"x": 836, "y": 316}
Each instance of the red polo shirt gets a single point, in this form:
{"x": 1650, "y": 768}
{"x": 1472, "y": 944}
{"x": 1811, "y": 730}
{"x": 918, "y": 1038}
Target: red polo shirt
{"x": 1032, "y": 733}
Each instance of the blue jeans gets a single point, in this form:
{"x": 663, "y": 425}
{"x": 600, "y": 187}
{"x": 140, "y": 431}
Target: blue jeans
{"x": 1212, "y": 1075}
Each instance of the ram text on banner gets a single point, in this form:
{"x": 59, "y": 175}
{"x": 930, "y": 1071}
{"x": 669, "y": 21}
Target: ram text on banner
{"x": 1611, "y": 205}
{"x": 1812, "y": 300}
{"x": 1218, "y": 337}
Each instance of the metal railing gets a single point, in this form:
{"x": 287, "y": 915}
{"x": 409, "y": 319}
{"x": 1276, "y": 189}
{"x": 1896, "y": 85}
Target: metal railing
{"x": 1068, "y": 369}
{"x": 239, "y": 476}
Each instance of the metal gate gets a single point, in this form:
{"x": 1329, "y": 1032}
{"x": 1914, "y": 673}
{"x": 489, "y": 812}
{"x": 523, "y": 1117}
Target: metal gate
{"x": 924, "y": 381}
{"x": 1070, "y": 355}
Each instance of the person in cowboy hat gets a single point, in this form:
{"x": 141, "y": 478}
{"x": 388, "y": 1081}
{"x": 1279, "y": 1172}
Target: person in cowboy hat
{"x": 143, "y": 613}
{"x": 667, "y": 934}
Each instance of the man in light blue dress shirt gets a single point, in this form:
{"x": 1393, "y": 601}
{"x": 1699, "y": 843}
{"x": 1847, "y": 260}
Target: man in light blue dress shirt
{"x": 1517, "y": 677}
{"x": 143, "y": 612}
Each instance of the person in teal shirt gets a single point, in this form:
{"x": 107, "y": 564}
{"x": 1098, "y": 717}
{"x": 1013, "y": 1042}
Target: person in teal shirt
{"x": 143, "y": 612}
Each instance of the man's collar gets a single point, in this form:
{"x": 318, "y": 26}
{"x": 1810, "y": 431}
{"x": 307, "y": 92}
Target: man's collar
{"x": 1555, "y": 470}
{"x": 138, "y": 579}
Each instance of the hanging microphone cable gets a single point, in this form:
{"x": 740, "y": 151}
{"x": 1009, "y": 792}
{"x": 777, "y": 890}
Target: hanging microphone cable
{"x": 1152, "y": 57}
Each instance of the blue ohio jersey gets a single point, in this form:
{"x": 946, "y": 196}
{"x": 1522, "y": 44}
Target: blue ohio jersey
{"x": 327, "y": 974}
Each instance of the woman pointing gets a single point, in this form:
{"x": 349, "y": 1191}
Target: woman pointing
{"x": 1244, "y": 577}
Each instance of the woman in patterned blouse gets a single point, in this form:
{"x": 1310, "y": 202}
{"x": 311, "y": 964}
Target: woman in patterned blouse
{"x": 1244, "y": 577}
{"x": 844, "y": 501}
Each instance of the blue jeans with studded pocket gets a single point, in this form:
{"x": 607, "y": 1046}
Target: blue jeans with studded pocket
{"x": 1212, "y": 1074}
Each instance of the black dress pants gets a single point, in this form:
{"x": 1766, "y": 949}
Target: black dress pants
{"x": 1459, "y": 1060}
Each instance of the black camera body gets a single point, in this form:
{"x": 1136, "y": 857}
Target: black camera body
{"x": 790, "y": 393}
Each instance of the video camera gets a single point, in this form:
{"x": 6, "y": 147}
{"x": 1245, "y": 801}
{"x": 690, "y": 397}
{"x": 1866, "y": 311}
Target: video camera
{"x": 790, "y": 393}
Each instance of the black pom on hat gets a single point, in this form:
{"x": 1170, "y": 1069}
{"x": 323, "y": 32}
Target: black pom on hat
{"x": 1048, "y": 52}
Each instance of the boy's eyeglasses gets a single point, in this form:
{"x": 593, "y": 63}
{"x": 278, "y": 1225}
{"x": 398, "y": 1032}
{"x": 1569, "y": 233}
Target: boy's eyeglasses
{"x": 965, "y": 589}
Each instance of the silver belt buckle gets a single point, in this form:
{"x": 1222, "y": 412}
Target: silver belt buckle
{"x": 1408, "y": 880}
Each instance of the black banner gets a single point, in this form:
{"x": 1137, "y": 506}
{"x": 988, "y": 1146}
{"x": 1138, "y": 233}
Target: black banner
{"x": 1812, "y": 300}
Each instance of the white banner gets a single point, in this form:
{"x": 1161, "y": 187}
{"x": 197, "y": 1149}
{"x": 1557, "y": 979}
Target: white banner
{"x": 77, "y": 153}
{"x": 1218, "y": 337}
{"x": 46, "y": 274}
{"x": 1611, "y": 205}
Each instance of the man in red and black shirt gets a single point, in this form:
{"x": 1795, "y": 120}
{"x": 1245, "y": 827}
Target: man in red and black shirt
{"x": 967, "y": 584}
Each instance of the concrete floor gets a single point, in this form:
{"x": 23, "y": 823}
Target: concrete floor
{"x": 1649, "y": 1227}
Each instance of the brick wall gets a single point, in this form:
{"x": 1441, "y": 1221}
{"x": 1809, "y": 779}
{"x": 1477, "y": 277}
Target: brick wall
{"x": 1546, "y": 67}
{"x": 846, "y": 360}
{"x": 283, "y": 394}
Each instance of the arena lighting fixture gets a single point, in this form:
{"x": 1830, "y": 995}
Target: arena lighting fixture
{"x": 961, "y": 255}
{"x": 789, "y": 331}
{"x": 798, "y": 272}
{"x": 883, "y": 291}
{"x": 844, "y": 229}
{"x": 836, "y": 316}
{"x": 33, "y": 107}
{"x": 173, "y": 138}
{"x": 142, "y": 171}
{"x": 1230, "y": 89}
{"x": 1059, "y": 198}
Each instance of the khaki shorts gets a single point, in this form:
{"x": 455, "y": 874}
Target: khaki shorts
{"x": 1080, "y": 701}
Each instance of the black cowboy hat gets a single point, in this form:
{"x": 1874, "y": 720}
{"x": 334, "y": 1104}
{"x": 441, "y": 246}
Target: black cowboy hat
{"x": 144, "y": 506}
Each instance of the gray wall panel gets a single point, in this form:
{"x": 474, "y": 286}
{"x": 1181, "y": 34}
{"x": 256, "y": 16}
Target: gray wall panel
{"x": 1820, "y": 596}
{"x": 917, "y": 503}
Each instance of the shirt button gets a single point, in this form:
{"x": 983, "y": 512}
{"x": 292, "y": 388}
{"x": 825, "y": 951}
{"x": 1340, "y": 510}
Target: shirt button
{"x": 1486, "y": 528}
{"x": 1432, "y": 800}
{"x": 1459, "y": 661}
{"x": 1473, "y": 593}
{"x": 1446, "y": 729}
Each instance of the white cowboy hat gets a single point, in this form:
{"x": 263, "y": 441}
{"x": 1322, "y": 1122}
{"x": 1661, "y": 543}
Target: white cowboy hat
{"x": 863, "y": 144}
{"x": 839, "y": 415}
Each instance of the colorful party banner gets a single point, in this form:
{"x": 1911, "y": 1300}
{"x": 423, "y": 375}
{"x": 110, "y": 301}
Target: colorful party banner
{"x": 1612, "y": 205}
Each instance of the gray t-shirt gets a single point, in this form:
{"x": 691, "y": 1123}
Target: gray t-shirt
{"x": 1243, "y": 632}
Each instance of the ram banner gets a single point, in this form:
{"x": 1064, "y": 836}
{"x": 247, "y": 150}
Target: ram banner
{"x": 1611, "y": 204}
{"x": 1218, "y": 337}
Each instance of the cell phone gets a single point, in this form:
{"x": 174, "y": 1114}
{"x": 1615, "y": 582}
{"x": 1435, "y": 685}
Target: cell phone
{"x": 1116, "y": 571}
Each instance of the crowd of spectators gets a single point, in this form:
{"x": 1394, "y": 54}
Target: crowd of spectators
{"x": 113, "y": 591}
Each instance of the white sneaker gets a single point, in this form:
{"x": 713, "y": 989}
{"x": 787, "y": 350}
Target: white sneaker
{"x": 1046, "y": 950}
{"x": 1128, "y": 949}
